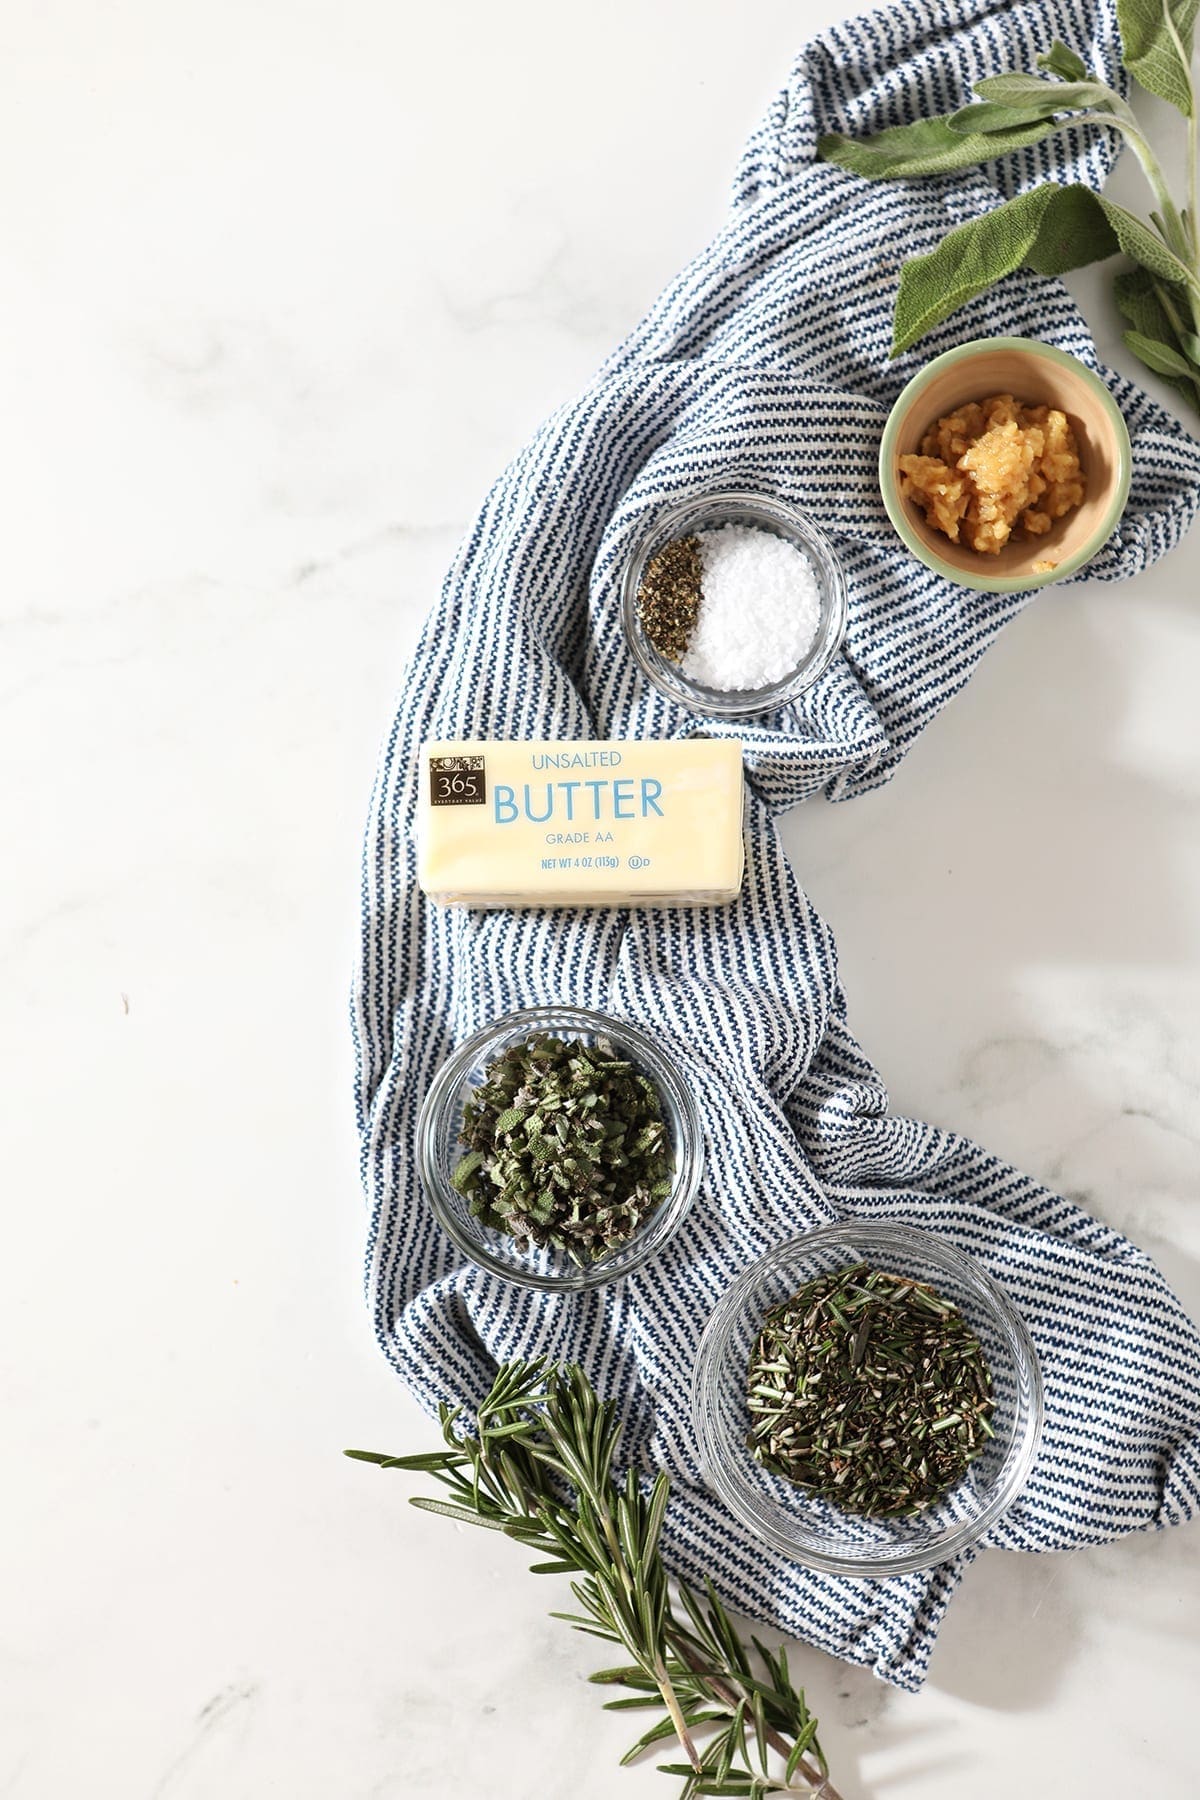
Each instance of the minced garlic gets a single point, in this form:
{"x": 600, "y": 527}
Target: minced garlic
{"x": 993, "y": 466}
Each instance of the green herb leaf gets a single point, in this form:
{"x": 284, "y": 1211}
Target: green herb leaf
{"x": 1050, "y": 229}
{"x": 430, "y": 1462}
{"x": 1163, "y": 358}
{"x": 463, "y": 1514}
{"x": 733, "y": 1737}
{"x": 1042, "y": 98}
{"x": 664, "y": 1729}
{"x": 1012, "y": 112}
{"x": 1157, "y": 39}
{"x": 1140, "y": 244}
{"x": 461, "y": 1178}
{"x": 988, "y": 116}
{"x": 1136, "y": 294}
{"x": 928, "y": 147}
{"x": 1059, "y": 60}
{"x": 508, "y": 1121}
{"x": 803, "y": 1742}
{"x": 629, "y": 1675}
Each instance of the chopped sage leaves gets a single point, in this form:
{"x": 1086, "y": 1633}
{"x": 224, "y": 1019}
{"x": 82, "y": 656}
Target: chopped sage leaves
{"x": 567, "y": 1147}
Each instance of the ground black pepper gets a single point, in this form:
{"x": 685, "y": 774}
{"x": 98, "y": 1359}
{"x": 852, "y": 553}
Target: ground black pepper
{"x": 669, "y": 597}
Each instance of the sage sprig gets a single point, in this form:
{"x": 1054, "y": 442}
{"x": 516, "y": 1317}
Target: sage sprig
{"x": 539, "y": 1467}
{"x": 1053, "y": 228}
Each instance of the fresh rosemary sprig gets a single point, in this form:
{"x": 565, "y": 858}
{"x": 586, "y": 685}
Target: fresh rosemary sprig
{"x": 540, "y": 1469}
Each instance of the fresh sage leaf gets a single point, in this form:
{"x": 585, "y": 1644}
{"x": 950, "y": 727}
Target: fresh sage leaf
{"x": 1059, "y": 60}
{"x": 1157, "y": 40}
{"x": 1156, "y": 355}
{"x": 1140, "y": 244}
{"x": 929, "y": 147}
{"x": 1139, "y": 302}
{"x": 1048, "y": 96}
{"x": 1013, "y": 111}
{"x": 1050, "y": 229}
{"x": 988, "y": 116}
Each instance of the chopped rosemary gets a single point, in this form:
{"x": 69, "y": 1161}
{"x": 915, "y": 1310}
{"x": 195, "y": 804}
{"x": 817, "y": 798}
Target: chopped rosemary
{"x": 567, "y": 1146}
{"x": 871, "y": 1390}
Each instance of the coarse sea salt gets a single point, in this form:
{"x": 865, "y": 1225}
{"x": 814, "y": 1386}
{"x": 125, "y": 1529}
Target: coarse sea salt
{"x": 760, "y": 609}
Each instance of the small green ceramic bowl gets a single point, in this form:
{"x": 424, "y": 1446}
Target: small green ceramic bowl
{"x": 1037, "y": 375}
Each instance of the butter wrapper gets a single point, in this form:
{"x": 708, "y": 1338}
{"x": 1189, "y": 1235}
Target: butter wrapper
{"x": 644, "y": 822}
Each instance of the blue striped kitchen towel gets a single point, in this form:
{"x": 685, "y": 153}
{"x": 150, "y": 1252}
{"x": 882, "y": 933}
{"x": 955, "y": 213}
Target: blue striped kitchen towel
{"x": 764, "y": 366}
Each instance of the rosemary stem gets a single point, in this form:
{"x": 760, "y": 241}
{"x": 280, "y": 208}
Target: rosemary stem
{"x": 669, "y": 1696}
{"x": 671, "y": 1702}
{"x": 721, "y": 1691}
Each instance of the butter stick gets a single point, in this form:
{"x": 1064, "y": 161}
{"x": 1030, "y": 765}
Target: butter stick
{"x": 648, "y": 822}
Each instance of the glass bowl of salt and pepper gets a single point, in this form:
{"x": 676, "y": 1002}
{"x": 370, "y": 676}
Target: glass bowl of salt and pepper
{"x": 866, "y": 1399}
{"x": 733, "y": 603}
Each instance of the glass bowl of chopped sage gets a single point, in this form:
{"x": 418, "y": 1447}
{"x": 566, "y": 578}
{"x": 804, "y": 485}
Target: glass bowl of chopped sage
{"x": 733, "y": 603}
{"x": 560, "y": 1147}
{"x": 867, "y": 1399}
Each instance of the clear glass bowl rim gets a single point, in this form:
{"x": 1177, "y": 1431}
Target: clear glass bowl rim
{"x": 679, "y": 1104}
{"x": 879, "y": 1237}
{"x": 688, "y": 515}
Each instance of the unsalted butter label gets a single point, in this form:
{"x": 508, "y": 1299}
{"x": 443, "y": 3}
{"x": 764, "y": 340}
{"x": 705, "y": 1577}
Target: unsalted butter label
{"x": 644, "y": 822}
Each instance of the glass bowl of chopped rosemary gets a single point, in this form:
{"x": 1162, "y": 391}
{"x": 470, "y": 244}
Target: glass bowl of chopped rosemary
{"x": 733, "y": 603}
{"x": 867, "y": 1399}
{"x": 560, "y": 1147}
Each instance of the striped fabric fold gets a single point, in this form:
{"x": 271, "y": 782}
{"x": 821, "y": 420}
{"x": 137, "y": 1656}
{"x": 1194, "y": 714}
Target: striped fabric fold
{"x": 764, "y": 366}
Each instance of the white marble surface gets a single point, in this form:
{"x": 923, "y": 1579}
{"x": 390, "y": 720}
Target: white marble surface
{"x": 286, "y": 284}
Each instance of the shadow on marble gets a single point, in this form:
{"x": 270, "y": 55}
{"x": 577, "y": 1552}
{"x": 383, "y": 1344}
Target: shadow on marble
{"x": 863, "y": 1718}
{"x": 1010, "y": 1632}
{"x": 1008, "y": 911}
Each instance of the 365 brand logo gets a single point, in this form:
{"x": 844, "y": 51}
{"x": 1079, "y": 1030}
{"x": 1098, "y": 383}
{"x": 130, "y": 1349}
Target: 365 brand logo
{"x": 457, "y": 781}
